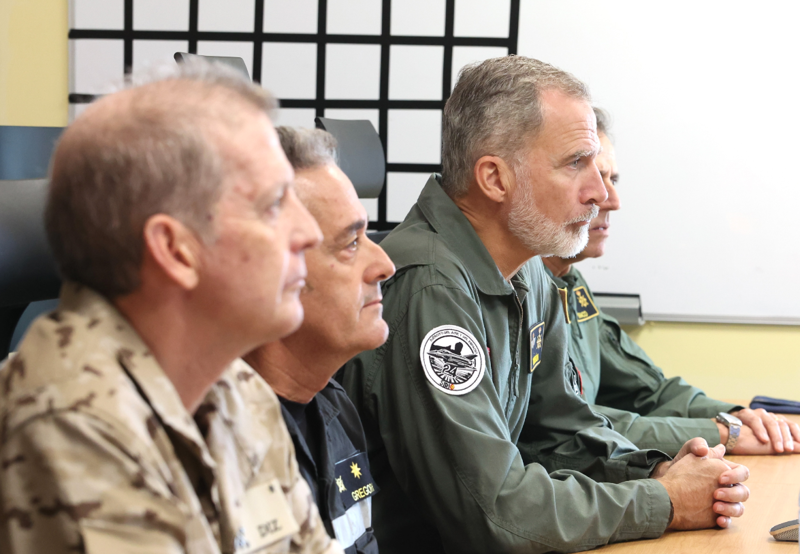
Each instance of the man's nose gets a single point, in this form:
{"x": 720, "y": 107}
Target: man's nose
{"x": 594, "y": 190}
{"x": 612, "y": 203}
{"x": 381, "y": 266}
{"x": 305, "y": 230}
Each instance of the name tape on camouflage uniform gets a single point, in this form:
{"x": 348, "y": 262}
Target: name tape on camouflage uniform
{"x": 266, "y": 518}
{"x": 586, "y": 308}
{"x": 453, "y": 359}
{"x": 537, "y": 343}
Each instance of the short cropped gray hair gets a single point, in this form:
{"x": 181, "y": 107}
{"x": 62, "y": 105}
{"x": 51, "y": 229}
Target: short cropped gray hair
{"x": 495, "y": 109}
{"x": 603, "y": 121}
{"x": 308, "y": 148}
{"x": 161, "y": 145}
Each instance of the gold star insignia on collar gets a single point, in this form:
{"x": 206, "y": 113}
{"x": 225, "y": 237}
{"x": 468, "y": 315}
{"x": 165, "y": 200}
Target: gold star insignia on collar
{"x": 355, "y": 470}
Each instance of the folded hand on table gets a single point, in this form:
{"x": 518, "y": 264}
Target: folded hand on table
{"x": 705, "y": 489}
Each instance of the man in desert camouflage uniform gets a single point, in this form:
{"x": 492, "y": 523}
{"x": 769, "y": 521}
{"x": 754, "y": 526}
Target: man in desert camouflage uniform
{"x": 174, "y": 223}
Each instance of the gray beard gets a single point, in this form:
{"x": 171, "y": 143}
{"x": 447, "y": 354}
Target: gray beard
{"x": 541, "y": 234}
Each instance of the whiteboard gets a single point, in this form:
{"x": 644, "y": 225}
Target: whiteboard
{"x": 706, "y": 121}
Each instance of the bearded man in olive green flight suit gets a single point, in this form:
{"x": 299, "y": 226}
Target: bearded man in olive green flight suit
{"x": 474, "y": 384}
{"x": 621, "y": 381}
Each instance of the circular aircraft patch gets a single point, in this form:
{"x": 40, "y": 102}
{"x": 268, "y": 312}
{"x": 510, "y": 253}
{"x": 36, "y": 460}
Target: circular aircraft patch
{"x": 453, "y": 359}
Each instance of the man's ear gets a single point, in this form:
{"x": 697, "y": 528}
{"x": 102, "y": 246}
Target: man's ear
{"x": 495, "y": 178}
{"x": 174, "y": 248}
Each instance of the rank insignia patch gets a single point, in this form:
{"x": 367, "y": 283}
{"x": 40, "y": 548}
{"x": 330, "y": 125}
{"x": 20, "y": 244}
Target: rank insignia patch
{"x": 354, "y": 479}
{"x": 537, "y": 342}
{"x": 453, "y": 359}
{"x": 586, "y": 308}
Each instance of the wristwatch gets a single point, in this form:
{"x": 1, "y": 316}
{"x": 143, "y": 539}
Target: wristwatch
{"x": 734, "y": 425}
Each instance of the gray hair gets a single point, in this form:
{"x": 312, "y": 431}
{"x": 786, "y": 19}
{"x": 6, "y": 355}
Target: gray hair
{"x": 603, "y": 121}
{"x": 308, "y": 148}
{"x": 495, "y": 109}
{"x": 161, "y": 145}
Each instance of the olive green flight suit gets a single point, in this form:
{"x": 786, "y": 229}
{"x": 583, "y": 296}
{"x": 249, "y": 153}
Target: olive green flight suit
{"x": 455, "y": 470}
{"x": 622, "y": 382}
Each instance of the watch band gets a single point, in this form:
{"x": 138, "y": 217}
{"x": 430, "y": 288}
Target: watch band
{"x": 734, "y": 425}
{"x": 733, "y": 436}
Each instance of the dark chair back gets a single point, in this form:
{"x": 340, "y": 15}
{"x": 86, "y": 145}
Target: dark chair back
{"x": 236, "y": 63}
{"x": 29, "y": 281}
{"x": 27, "y": 270}
{"x": 361, "y": 155}
{"x": 378, "y": 236}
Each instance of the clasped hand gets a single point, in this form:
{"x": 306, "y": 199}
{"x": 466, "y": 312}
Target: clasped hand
{"x": 705, "y": 489}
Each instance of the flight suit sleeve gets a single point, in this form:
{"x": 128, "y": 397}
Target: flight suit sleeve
{"x": 630, "y": 381}
{"x": 667, "y": 434}
{"x": 454, "y": 458}
{"x": 74, "y": 484}
{"x": 562, "y": 431}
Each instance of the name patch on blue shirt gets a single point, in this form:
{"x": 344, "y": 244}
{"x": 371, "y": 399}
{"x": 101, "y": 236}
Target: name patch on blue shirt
{"x": 354, "y": 480}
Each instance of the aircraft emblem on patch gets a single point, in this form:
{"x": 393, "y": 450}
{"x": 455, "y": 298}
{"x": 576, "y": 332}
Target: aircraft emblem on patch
{"x": 537, "y": 343}
{"x": 586, "y": 308}
{"x": 453, "y": 359}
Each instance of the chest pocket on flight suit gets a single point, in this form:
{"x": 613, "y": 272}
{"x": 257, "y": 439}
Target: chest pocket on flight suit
{"x": 648, "y": 373}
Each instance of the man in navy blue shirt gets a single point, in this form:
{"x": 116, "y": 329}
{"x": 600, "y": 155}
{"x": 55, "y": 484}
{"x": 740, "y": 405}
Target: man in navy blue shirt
{"x": 343, "y": 317}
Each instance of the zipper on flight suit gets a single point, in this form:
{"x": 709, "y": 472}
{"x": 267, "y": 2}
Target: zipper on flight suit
{"x": 514, "y": 376}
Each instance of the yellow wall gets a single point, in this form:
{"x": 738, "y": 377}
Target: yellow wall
{"x": 33, "y": 63}
{"x": 727, "y": 361}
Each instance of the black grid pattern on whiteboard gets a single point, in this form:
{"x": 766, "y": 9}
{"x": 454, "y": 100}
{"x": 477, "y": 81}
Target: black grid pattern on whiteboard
{"x": 319, "y": 103}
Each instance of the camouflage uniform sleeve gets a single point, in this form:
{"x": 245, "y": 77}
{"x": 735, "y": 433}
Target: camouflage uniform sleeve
{"x": 312, "y": 535}
{"x": 72, "y": 483}
{"x": 262, "y": 407}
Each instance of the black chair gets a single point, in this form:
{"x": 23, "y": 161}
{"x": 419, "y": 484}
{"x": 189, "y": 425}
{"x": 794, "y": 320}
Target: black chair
{"x": 361, "y": 157}
{"x": 236, "y": 63}
{"x": 378, "y": 236}
{"x": 29, "y": 281}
